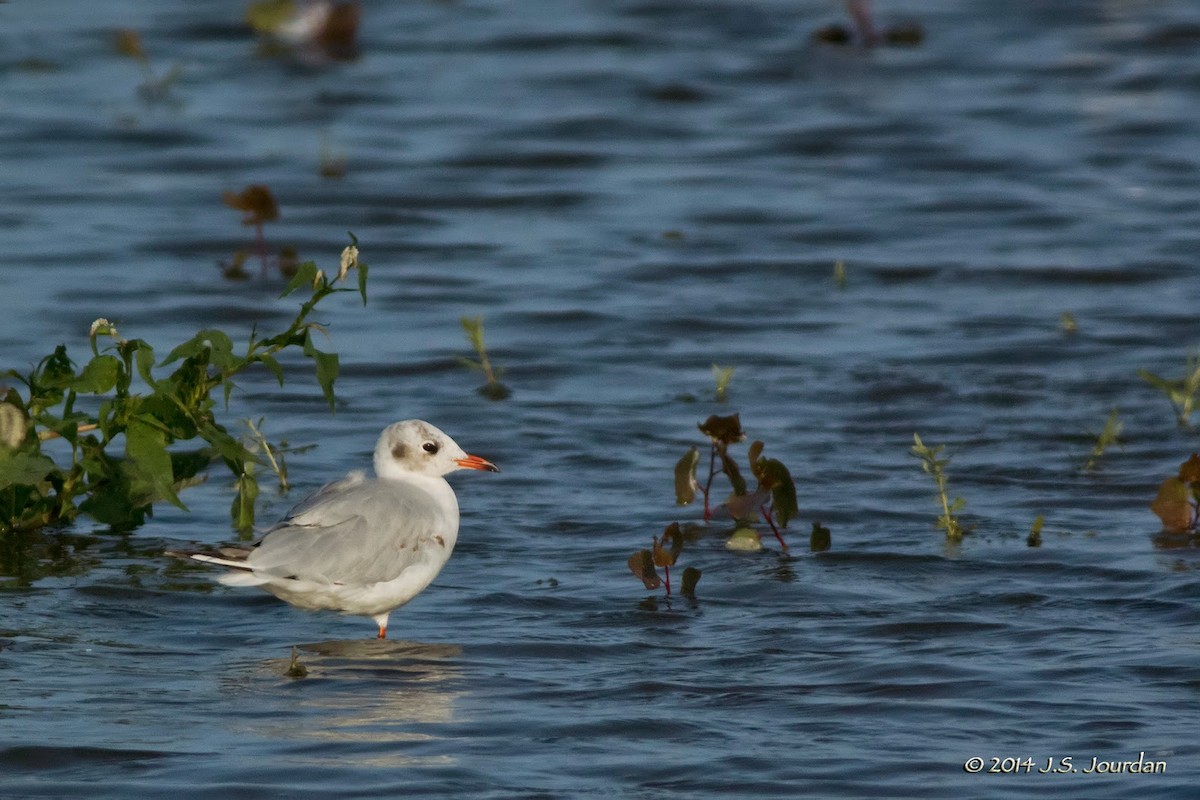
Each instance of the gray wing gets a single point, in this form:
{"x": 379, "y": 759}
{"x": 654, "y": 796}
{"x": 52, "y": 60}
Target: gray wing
{"x": 350, "y": 532}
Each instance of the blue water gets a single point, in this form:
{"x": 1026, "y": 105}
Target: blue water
{"x": 629, "y": 192}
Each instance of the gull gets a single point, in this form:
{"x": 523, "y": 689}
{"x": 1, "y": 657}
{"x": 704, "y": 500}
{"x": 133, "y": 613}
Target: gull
{"x": 361, "y": 546}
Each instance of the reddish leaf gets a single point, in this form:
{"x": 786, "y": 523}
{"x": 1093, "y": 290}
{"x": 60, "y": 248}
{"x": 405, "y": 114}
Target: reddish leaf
{"x": 662, "y": 556}
{"x": 256, "y": 201}
{"x": 685, "y": 477}
{"x": 1172, "y": 506}
{"x": 1189, "y": 471}
{"x": 641, "y": 564}
{"x": 723, "y": 430}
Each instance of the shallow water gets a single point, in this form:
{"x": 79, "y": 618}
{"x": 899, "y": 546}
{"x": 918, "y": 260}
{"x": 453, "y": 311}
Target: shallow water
{"x": 629, "y": 192}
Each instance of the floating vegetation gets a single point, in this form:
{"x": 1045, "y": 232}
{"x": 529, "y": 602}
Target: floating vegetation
{"x": 773, "y": 500}
{"x": 128, "y": 43}
{"x": 493, "y": 389}
{"x": 326, "y": 27}
{"x": 839, "y": 275}
{"x": 1182, "y": 392}
{"x": 948, "y": 519}
{"x": 295, "y": 668}
{"x": 722, "y": 376}
{"x": 1067, "y": 323}
{"x": 865, "y": 33}
{"x": 664, "y": 552}
{"x": 1035, "y": 532}
{"x": 91, "y": 407}
{"x": 1105, "y": 439}
{"x": 1178, "y": 501}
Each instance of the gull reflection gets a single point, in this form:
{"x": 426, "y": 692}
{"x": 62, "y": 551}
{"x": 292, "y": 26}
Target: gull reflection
{"x": 381, "y": 698}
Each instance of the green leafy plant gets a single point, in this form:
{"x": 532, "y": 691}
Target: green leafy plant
{"x": 1035, "y": 532}
{"x": 1182, "y": 392}
{"x": 118, "y": 418}
{"x": 664, "y": 552}
{"x": 948, "y": 519}
{"x": 773, "y": 500}
{"x": 1178, "y": 501}
{"x": 1105, "y": 439}
{"x": 839, "y": 275}
{"x": 493, "y": 389}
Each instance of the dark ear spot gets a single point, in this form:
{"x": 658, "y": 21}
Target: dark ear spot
{"x": 398, "y": 451}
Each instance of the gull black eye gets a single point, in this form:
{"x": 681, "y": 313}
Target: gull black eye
{"x": 430, "y": 447}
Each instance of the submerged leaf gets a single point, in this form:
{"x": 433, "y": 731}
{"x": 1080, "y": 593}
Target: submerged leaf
{"x": 641, "y": 564}
{"x": 744, "y": 540}
{"x": 820, "y": 540}
{"x": 691, "y": 576}
{"x": 1172, "y": 506}
{"x": 685, "y": 477}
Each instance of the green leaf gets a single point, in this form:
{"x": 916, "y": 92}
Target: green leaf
{"x": 306, "y": 275}
{"x": 685, "y": 477}
{"x": 362, "y": 280}
{"x": 327, "y": 368}
{"x": 242, "y": 511}
{"x": 272, "y": 364}
{"x": 99, "y": 376}
{"x": 216, "y": 344}
{"x": 23, "y": 468}
{"x": 149, "y": 462}
{"x": 775, "y": 476}
{"x": 745, "y": 540}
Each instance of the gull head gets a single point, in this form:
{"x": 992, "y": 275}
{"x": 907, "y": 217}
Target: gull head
{"x": 414, "y": 447}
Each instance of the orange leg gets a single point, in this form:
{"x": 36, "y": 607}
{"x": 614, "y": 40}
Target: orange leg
{"x": 383, "y": 631}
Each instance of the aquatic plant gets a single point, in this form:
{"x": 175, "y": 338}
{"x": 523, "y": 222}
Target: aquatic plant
{"x": 947, "y": 520}
{"x": 258, "y": 204}
{"x": 128, "y": 43}
{"x": 493, "y": 389}
{"x": 1182, "y": 392}
{"x": 98, "y": 408}
{"x": 722, "y": 376}
{"x": 1105, "y": 439}
{"x": 773, "y": 500}
{"x": 839, "y": 275}
{"x": 1067, "y": 323}
{"x": 664, "y": 552}
{"x": 1035, "y": 532}
{"x": 1177, "y": 503}
{"x": 330, "y": 27}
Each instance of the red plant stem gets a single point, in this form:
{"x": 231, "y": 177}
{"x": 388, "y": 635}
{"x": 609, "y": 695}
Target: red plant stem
{"x": 667, "y": 572}
{"x": 260, "y": 243}
{"x": 712, "y": 471}
{"x": 766, "y": 512}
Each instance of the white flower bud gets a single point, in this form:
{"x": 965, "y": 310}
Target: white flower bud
{"x": 349, "y": 261}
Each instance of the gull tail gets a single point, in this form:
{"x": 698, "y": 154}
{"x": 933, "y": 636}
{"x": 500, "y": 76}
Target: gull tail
{"x": 232, "y": 557}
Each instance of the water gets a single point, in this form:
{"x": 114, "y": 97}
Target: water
{"x": 628, "y": 193}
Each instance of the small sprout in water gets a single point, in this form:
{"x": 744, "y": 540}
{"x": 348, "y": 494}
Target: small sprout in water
{"x": 1178, "y": 501}
{"x": 1182, "y": 392}
{"x": 722, "y": 376}
{"x": 1035, "y": 532}
{"x": 1105, "y": 439}
{"x": 1067, "y": 323}
{"x": 493, "y": 389}
{"x": 664, "y": 552}
{"x": 333, "y": 165}
{"x": 128, "y": 43}
{"x": 295, "y": 668}
{"x": 948, "y": 519}
{"x": 839, "y": 275}
{"x": 687, "y": 587}
{"x": 821, "y": 539}
{"x": 641, "y": 564}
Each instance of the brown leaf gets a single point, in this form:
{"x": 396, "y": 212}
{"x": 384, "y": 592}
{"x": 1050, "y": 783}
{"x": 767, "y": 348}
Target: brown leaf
{"x": 747, "y": 506}
{"x": 723, "y": 430}
{"x": 755, "y": 452}
{"x": 662, "y": 556}
{"x": 641, "y": 564}
{"x": 691, "y": 576}
{"x": 1189, "y": 471}
{"x": 257, "y": 201}
{"x": 685, "y": 477}
{"x": 129, "y": 44}
{"x": 1172, "y": 506}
